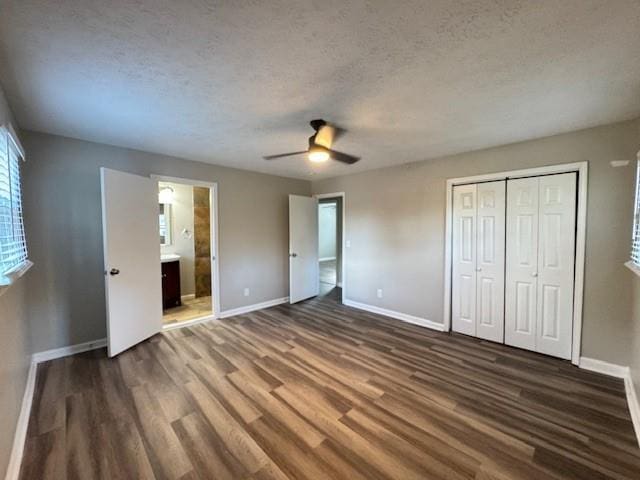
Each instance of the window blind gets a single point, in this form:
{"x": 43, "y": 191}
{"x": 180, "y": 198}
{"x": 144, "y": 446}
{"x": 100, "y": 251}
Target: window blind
{"x": 13, "y": 247}
{"x": 635, "y": 241}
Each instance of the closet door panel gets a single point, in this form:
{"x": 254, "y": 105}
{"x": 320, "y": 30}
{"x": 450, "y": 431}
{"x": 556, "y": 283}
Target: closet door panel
{"x": 490, "y": 260}
{"x": 521, "y": 263}
{"x": 556, "y": 259}
{"x": 463, "y": 288}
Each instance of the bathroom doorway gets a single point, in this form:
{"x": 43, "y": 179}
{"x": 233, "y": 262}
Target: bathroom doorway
{"x": 187, "y": 223}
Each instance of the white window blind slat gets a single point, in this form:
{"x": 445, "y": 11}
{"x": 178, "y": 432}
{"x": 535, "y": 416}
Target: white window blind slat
{"x": 635, "y": 241}
{"x": 13, "y": 246}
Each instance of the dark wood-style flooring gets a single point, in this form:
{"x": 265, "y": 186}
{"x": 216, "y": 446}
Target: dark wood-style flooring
{"x": 322, "y": 391}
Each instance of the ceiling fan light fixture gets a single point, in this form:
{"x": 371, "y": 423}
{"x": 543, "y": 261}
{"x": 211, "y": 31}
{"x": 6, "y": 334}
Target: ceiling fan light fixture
{"x": 166, "y": 195}
{"x": 321, "y": 146}
{"x": 318, "y": 155}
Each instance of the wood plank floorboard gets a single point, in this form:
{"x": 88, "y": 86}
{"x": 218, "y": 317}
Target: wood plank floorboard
{"x": 318, "y": 390}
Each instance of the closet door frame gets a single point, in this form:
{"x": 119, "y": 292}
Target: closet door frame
{"x": 581, "y": 222}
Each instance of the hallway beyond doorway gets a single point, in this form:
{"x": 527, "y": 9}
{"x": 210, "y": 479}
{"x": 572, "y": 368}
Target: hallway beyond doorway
{"x": 328, "y": 272}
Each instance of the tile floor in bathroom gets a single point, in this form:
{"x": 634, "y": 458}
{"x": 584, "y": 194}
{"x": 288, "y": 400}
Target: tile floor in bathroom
{"x": 190, "y": 309}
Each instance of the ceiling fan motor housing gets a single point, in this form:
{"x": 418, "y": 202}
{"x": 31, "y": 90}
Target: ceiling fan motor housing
{"x": 317, "y": 124}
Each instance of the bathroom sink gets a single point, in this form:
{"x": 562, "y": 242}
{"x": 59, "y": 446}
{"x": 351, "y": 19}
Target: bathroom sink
{"x": 169, "y": 257}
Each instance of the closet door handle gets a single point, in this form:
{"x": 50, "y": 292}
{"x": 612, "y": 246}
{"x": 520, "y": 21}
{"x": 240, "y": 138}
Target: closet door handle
{"x": 478, "y": 269}
{"x": 534, "y": 274}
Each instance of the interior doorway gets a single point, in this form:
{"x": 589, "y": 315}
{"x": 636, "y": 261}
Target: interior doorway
{"x": 187, "y": 236}
{"x": 330, "y": 220}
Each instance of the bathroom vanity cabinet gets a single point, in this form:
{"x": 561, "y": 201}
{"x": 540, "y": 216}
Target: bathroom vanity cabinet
{"x": 171, "y": 284}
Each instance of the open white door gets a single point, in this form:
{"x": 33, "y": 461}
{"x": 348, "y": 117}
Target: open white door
{"x": 131, "y": 258}
{"x": 304, "y": 275}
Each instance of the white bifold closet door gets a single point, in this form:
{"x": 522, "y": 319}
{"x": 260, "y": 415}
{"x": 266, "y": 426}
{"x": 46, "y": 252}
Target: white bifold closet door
{"x": 540, "y": 258}
{"x": 478, "y": 260}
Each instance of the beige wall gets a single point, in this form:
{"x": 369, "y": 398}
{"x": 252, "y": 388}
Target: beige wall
{"x": 395, "y": 221}
{"x": 15, "y": 351}
{"x": 63, "y": 222}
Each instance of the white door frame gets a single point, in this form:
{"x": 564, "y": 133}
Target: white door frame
{"x": 215, "y": 254}
{"x": 343, "y": 262}
{"x": 581, "y": 229}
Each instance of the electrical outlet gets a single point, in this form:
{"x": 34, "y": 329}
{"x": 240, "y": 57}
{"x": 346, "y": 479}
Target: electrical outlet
{"x": 379, "y": 293}
{"x": 348, "y": 243}
{"x": 246, "y": 292}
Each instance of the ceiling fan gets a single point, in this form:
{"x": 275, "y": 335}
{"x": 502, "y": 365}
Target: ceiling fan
{"x": 320, "y": 145}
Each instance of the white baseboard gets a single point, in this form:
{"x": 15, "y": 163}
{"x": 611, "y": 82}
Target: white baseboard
{"x": 188, "y": 296}
{"x": 423, "y": 322}
{"x": 70, "y": 350}
{"x": 326, "y": 259}
{"x": 20, "y": 436}
{"x": 15, "y": 460}
{"x": 605, "y": 368}
{"x": 251, "y": 308}
{"x": 634, "y": 406}
{"x": 624, "y": 373}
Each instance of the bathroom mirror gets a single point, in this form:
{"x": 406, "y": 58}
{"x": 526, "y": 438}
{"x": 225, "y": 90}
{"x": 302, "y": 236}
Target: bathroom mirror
{"x": 165, "y": 224}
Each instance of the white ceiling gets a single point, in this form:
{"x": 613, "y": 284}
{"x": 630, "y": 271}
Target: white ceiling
{"x": 228, "y": 82}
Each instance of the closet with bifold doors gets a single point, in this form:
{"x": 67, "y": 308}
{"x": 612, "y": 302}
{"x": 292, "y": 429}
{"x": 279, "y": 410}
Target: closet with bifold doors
{"x": 513, "y": 261}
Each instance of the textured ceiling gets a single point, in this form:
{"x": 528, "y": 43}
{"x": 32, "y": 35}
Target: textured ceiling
{"x": 228, "y": 82}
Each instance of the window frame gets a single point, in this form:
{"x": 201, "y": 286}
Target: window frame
{"x": 633, "y": 264}
{"x": 8, "y": 278}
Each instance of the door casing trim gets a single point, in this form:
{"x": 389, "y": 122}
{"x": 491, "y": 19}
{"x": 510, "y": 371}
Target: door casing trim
{"x": 214, "y": 240}
{"x": 343, "y": 262}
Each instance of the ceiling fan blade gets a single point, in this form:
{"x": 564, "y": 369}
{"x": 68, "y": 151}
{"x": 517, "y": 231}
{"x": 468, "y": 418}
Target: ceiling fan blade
{"x": 280, "y": 155}
{"x": 343, "y": 157}
{"x": 338, "y": 132}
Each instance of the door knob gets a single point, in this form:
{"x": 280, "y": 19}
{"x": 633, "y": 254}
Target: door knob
{"x": 114, "y": 271}
{"x": 478, "y": 269}
{"x": 293, "y": 255}
{"x": 534, "y": 274}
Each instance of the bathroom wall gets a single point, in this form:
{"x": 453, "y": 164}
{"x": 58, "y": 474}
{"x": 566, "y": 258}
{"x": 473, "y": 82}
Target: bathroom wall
{"x": 182, "y": 243}
{"x": 202, "y": 240}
